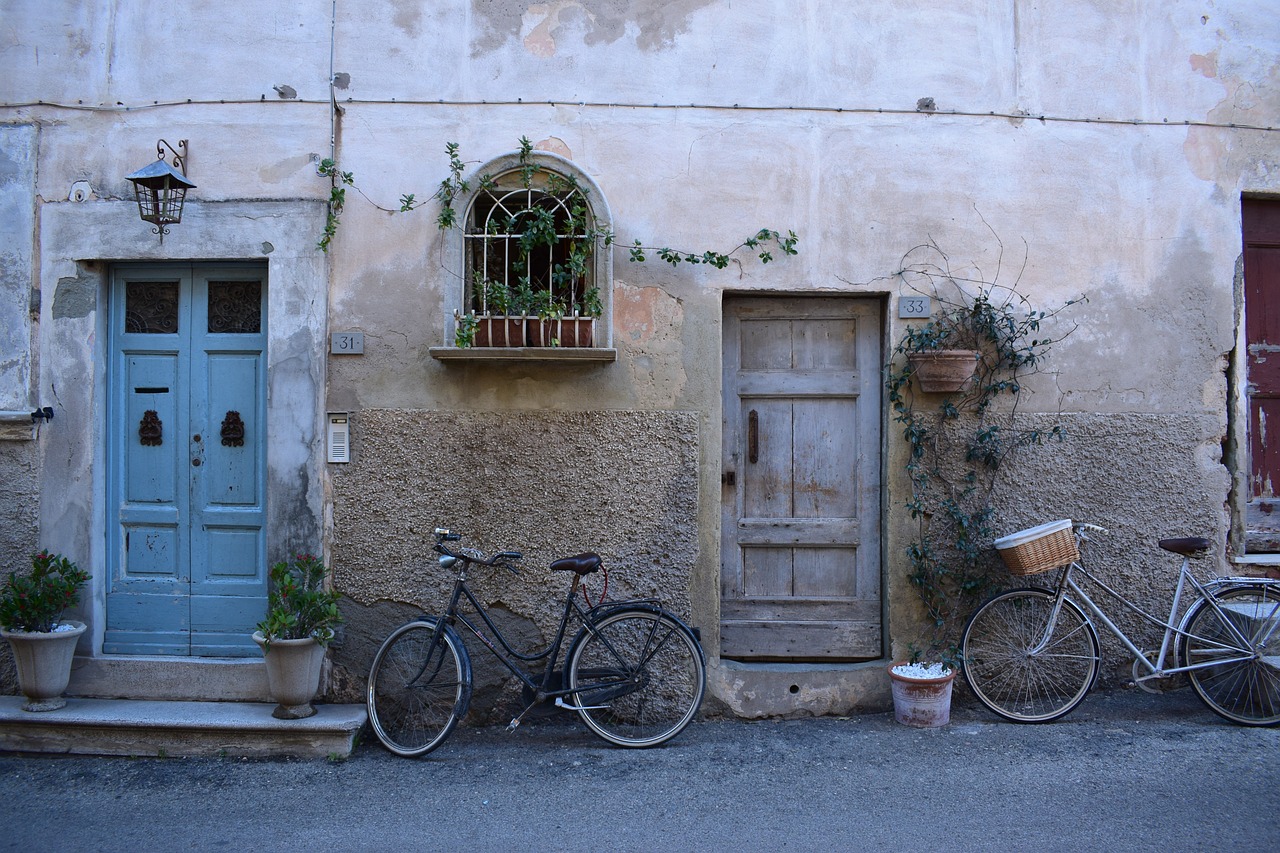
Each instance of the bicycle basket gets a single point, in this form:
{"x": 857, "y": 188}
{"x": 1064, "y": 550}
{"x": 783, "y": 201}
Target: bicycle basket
{"x": 1039, "y": 549}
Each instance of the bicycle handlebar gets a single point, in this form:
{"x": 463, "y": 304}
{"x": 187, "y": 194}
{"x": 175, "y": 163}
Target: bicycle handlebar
{"x": 502, "y": 558}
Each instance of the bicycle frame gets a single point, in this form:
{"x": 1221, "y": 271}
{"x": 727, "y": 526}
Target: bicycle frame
{"x": 1242, "y": 646}
{"x": 542, "y": 688}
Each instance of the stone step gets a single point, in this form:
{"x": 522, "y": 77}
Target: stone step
{"x": 178, "y": 728}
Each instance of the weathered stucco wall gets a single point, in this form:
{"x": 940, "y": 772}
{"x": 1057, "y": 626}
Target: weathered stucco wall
{"x": 1084, "y": 147}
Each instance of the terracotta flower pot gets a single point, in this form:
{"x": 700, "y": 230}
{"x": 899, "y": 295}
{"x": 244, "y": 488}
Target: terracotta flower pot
{"x": 921, "y": 702}
{"x": 943, "y": 371}
{"x": 293, "y": 673}
{"x": 44, "y": 664}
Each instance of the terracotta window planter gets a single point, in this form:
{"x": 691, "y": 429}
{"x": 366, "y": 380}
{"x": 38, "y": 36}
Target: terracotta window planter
{"x": 565, "y": 332}
{"x": 500, "y": 331}
{"x": 943, "y": 371}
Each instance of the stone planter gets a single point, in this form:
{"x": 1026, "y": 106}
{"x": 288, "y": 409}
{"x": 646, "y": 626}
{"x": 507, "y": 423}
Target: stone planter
{"x": 44, "y": 664}
{"x": 942, "y": 371}
{"x": 293, "y": 673}
{"x": 923, "y": 703}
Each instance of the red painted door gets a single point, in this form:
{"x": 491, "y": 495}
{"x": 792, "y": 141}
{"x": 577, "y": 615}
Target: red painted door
{"x": 1261, "y": 226}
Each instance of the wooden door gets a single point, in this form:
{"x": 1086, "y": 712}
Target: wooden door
{"x": 187, "y": 460}
{"x": 1261, "y": 225}
{"x": 800, "y": 546}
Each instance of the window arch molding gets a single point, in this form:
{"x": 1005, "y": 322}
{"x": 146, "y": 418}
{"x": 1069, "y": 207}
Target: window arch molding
{"x": 505, "y": 183}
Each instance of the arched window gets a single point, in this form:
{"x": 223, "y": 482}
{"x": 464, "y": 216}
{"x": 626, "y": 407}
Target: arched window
{"x": 534, "y": 257}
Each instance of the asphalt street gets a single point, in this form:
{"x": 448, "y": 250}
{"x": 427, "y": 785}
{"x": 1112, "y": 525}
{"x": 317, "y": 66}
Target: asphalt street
{"x": 1125, "y": 771}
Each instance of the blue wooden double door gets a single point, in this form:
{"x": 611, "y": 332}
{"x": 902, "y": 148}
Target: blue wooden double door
{"x": 187, "y": 459}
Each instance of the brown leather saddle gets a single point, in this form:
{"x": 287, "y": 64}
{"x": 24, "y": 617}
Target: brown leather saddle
{"x": 580, "y": 564}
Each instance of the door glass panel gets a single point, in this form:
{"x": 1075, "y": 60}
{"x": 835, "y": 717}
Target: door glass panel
{"x": 235, "y": 307}
{"x": 151, "y": 307}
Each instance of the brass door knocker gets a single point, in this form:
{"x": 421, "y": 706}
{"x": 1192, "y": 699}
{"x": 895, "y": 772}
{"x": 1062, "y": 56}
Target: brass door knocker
{"x": 232, "y": 430}
{"x": 150, "y": 430}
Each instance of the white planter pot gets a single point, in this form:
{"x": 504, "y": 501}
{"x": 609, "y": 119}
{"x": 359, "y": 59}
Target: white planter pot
{"x": 293, "y": 673}
{"x": 924, "y": 703}
{"x": 44, "y": 664}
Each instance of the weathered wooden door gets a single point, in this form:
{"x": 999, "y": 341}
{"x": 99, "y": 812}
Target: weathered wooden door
{"x": 1261, "y": 224}
{"x": 800, "y": 545}
{"x": 187, "y": 460}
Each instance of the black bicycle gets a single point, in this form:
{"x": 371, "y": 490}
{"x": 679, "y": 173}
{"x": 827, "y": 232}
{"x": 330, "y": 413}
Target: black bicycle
{"x": 634, "y": 672}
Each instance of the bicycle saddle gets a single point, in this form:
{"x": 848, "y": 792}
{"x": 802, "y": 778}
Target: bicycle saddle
{"x": 1187, "y": 546}
{"x": 583, "y": 564}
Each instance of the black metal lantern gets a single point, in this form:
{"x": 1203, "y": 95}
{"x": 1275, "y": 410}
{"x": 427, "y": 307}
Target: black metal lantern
{"x": 161, "y": 189}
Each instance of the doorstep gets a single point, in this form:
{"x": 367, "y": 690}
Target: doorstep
{"x": 165, "y": 728}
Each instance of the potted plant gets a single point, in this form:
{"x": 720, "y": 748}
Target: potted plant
{"x": 943, "y": 354}
{"x": 43, "y": 643}
{"x": 301, "y": 617}
{"x": 922, "y": 693}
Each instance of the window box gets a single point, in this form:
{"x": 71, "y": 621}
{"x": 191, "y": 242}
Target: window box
{"x": 564, "y": 332}
{"x": 500, "y": 331}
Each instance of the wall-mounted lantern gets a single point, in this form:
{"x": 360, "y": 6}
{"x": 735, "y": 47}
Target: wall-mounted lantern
{"x": 161, "y": 189}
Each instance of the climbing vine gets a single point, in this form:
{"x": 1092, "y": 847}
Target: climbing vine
{"x": 764, "y": 242}
{"x": 958, "y": 441}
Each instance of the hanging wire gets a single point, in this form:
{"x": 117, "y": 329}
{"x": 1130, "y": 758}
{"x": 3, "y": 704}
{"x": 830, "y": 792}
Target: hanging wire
{"x": 1044, "y": 118}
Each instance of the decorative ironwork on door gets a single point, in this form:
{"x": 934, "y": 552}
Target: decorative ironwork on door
{"x": 232, "y": 430}
{"x": 150, "y": 429}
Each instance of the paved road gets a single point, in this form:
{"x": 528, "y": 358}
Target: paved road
{"x": 1125, "y": 771}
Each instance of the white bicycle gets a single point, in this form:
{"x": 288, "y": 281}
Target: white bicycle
{"x": 1031, "y": 655}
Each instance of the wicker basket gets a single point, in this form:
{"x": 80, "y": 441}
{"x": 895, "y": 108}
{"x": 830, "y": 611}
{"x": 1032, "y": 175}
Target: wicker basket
{"x": 1039, "y": 549}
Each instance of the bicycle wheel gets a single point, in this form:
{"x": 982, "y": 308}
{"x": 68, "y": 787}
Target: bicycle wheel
{"x": 1016, "y": 675}
{"x": 419, "y": 686}
{"x": 638, "y": 677}
{"x": 1242, "y": 682}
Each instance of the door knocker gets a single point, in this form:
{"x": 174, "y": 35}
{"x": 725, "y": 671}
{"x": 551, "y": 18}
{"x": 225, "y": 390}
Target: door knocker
{"x": 232, "y": 430}
{"x": 150, "y": 430}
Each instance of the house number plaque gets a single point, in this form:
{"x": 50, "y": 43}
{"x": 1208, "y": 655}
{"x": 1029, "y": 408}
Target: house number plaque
{"x": 914, "y": 308}
{"x": 346, "y": 343}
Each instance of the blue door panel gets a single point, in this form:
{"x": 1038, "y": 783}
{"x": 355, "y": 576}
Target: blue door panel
{"x": 223, "y": 625}
{"x": 148, "y": 624}
{"x": 150, "y": 392}
{"x": 151, "y": 554}
{"x": 231, "y": 465}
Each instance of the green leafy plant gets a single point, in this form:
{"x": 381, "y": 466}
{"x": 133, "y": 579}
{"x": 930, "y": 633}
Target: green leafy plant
{"x": 957, "y": 442}
{"x": 464, "y": 334}
{"x": 34, "y": 602}
{"x": 298, "y": 605}
{"x": 339, "y": 181}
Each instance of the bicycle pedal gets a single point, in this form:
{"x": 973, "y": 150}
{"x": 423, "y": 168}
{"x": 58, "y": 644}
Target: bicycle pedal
{"x": 513, "y": 725}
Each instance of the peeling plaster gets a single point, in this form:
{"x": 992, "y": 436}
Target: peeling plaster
{"x": 1229, "y": 159}
{"x": 76, "y": 296}
{"x": 544, "y": 28}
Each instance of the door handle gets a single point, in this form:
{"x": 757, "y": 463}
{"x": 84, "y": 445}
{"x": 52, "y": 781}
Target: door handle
{"x": 753, "y": 436}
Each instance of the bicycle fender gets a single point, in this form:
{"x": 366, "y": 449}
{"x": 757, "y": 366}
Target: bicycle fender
{"x": 464, "y": 658}
{"x": 601, "y": 611}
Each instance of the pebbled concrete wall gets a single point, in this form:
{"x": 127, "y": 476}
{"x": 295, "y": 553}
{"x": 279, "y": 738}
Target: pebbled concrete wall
{"x": 547, "y": 484}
